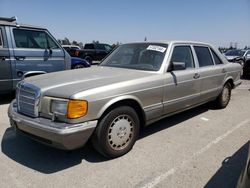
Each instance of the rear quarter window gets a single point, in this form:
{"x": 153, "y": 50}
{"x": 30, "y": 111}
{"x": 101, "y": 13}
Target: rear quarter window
{"x": 217, "y": 60}
{"x": 204, "y": 56}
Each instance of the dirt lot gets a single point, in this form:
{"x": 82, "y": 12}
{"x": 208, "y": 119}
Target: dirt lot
{"x": 202, "y": 147}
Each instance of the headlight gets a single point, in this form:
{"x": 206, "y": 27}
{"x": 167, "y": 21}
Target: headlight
{"x": 71, "y": 109}
{"x": 59, "y": 107}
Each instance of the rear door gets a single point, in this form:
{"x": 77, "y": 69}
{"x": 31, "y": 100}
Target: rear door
{"x": 36, "y": 50}
{"x": 212, "y": 72}
{"x": 5, "y": 63}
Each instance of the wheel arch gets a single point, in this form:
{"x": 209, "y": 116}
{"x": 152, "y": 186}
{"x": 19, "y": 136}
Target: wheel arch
{"x": 229, "y": 80}
{"x": 130, "y": 101}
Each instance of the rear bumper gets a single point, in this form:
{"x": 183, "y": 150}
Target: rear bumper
{"x": 67, "y": 137}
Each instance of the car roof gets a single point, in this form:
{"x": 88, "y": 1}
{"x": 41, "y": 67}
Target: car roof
{"x": 15, "y": 24}
{"x": 176, "y": 42}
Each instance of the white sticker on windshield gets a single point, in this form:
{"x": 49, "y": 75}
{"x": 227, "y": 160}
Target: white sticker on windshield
{"x": 156, "y": 48}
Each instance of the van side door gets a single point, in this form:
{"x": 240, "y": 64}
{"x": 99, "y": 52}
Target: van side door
{"x": 5, "y": 63}
{"x": 36, "y": 51}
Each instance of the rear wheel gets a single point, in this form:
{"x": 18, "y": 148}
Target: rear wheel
{"x": 224, "y": 97}
{"x": 116, "y": 132}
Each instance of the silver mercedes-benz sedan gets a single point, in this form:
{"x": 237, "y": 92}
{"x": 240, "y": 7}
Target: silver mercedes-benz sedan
{"x": 136, "y": 85}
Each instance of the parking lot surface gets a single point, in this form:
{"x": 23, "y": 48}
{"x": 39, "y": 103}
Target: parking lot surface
{"x": 202, "y": 147}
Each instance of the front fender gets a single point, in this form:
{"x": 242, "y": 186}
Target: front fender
{"x": 118, "y": 99}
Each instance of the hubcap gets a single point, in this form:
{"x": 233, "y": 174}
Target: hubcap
{"x": 120, "y": 132}
{"x": 225, "y": 94}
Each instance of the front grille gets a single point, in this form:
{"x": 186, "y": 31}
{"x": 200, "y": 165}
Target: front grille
{"x": 28, "y": 97}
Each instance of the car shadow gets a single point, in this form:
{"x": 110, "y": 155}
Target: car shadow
{"x": 6, "y": 98}
{"x": 50, "y": 160}
{"x": 174, "y": 120}
{"x": 230, "y": 170}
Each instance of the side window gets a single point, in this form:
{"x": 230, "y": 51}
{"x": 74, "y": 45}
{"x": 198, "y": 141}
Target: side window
{"x": 89, "y": 46}
{"x": 100, "y": 47}
{"x": 1, "y": 39}
{"x": 183, "y": 54}
{"x": 216, "y": 58}
{"x": 51, "y": 42}
{"x": 204, "y": 56}
{"x": 33, "y": 39}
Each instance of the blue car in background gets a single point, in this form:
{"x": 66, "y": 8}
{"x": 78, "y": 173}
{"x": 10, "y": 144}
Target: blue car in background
{"x": 78, "y": 63}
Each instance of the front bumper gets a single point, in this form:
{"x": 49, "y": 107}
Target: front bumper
{"x": 60, "y": 135}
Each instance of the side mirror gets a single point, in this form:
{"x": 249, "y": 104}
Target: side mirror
{"x": 178, "y": 66}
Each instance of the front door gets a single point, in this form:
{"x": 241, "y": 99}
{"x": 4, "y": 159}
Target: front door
{"x": 5, "y": 64}
{"x": 36, "y": 50}
{"x": 182, "y": 88}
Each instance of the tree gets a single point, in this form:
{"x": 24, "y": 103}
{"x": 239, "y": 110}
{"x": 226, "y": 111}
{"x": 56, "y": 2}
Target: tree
{"x": 65, "y": 41}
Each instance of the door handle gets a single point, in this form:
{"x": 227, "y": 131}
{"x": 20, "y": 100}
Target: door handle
{"x": 19, "y": 58}
{"x": 223, "y": 70}
{"x": 196, "y": 76}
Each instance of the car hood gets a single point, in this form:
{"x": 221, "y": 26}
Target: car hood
{"x": 64, "y": 84}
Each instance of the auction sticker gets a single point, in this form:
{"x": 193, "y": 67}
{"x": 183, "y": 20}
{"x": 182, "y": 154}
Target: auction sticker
{"x": 156, "y": 48}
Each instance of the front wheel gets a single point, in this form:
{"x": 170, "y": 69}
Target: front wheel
{"x": 78, "y": 66}
{"x": 89, "y": 59}
{"x": 224, "y": 97}
{"x": 116, "y": 132}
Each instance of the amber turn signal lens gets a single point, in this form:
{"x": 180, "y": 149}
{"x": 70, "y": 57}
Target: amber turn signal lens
{"x": 77, "y": 109}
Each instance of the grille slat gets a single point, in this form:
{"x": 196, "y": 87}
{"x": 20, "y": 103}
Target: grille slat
{"x": 28, "y": 97}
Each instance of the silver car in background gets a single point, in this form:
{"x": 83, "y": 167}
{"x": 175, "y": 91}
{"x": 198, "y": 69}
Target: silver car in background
{"x": 136, "y": 85}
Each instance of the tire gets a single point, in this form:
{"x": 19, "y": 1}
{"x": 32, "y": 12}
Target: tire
{"x": 224, "y": 97}
{"x": 116, "y": 132}
{"x": 78, "y": 66}
{"x": 89, "y": 59}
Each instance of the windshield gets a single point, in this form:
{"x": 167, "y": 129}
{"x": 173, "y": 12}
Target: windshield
{"x": 235, "y": 53}
{"x": 140, "y": 56}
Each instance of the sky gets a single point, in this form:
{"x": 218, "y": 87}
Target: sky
{"x": 219, "y": 22}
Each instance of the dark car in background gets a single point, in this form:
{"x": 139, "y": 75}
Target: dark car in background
{"x": 236, "y": 56}
{"x": 240, "y": 56}
{"x": 92, "y": 52}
